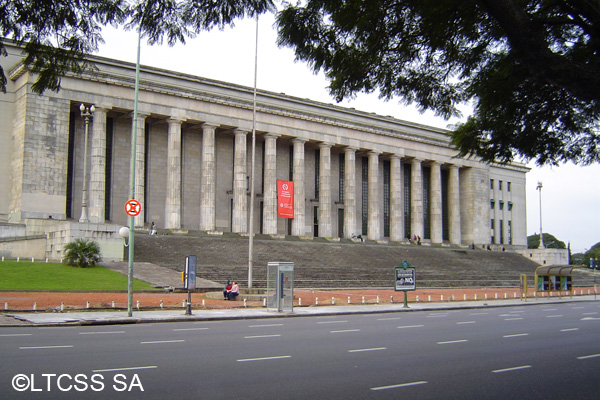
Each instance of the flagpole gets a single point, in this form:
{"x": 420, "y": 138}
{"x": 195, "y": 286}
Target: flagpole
{"x": 252, "y": 173}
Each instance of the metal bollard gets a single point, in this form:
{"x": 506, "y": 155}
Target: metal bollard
{"x": 161, "y": 304}
{"x": 332, "y": 300}
{"x": 34, "y": 306}
{"x": 363, "y": 299}
{"x": 137, "y": 304}
{"x": 62, "y": 306}
{"x": 316, "y": 301}
{"x": 244, "y": 303}
{"x": 87, "y": 304}
{"x": 113, "y": 304}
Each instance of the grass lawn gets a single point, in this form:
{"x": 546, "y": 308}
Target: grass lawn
{"x": 53, "y": 277}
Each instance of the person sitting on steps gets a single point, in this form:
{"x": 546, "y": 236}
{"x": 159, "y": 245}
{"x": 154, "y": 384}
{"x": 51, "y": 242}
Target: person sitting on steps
{"x": 226, "y": 290}
{"x": 233, "y": 292}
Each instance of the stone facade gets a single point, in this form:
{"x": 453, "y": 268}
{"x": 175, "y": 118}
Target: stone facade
{"x": 354, "y": 173}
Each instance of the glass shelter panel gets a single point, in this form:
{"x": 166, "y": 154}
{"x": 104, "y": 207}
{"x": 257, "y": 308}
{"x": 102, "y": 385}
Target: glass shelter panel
{"x": 280, "y": 286}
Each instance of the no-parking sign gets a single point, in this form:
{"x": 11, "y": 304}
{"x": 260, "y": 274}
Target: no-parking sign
{"x": 133, "y": 208}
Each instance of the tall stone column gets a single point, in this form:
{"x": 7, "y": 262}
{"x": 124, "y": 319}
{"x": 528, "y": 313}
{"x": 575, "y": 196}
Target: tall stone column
{"x": 454, "y": 205}
{"x": 298, "y": 223}
{"x": 270, "y": 185}
{"x": 349, "y": 192}
{"x": 396, "y": 210}
{"x": 240, "y": 198}
{"x": 98, "y": 167}
{"x": 436, "y": 202}
{"x": 140, "y": 163}
{"x": 416, "y": 198}
{"x": 208, "y": 181}
{"x": 325, "y": 217}
{"x": 374, "y": 216}
{"x": 173, "y": 198}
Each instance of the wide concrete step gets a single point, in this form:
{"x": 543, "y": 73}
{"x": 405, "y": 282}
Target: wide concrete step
{"x": 324, "y": 264}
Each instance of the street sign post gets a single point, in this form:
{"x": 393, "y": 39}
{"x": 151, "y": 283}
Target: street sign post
{"x": 133, "y": 208}
{"x": 405, "y": 279}
{"x": 189, "y": 281}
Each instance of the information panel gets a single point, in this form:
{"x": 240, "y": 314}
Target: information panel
{"x": 405, "y": 278}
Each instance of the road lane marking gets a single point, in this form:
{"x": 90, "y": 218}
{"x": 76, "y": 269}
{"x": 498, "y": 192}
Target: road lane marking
{"x": 100, "y": 332}
{"x": 345, "y": 330}
{"x": 550, "y": 309}
{"x": 453, "y": 341}
{"x": 260, "y": 336}
{"x": 399, "y": 386}
{"x": 361, "y": 350}
{"x": 163, "y": 341}
{"x": 263, "y": 358}
{"x": 590, "y": 356}
{"x": 569, "y": 329}
{"x": 410, "y": 326}
{"x": 124, "y": 369}
{"x": 264, "y": 326}
{"x": 516, "y": 335}
{"x": 331, "y": 322}
{"x": 15, "y": 334}
{"x": 465, "y": 322}
{"x": 589, "y": 313}
{"x": 44, "y": 347}
{"x": 479, "y": 313}
{"x": 512, "y": 319}
{"x": 190, "y": 329}
{"x": 497, "y": 371}
{"x": 589, "y": 318}
{"x": 388, "y": 319}
{"x": 553, "y": 316}
{"x": 436, "y": 316}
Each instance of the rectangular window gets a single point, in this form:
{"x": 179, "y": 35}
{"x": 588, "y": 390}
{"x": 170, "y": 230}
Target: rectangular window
{"x": 445, "y": 222}
{"x": 70, "y": 166}
{"x": 491, "y": 183}
{"x": 509, "y": 232}
{"x": 510, "y": 205}
{"x": 501, "y": 205}
{"x": 492, "y": 203}
{"x": 501, "y": 231}
{"x": 386, "y": 198}
{"x": 317, "y": 172}
{"x": 492, "y": 231}
{"x": 291, "y": 173}
{"x": 426, "y": 203}
{"x": 365, "y": 195}
{"x": 262, "y": 176}
{"x": 499, "y": 185}
{"x": 316, "y": 221}
{"x": 342, "y": 176}
{"x": 508, "y": 186}
{"x": 108, "y": 168}
{"x": 406, "y": 191}
{"x": 146, "y": 169}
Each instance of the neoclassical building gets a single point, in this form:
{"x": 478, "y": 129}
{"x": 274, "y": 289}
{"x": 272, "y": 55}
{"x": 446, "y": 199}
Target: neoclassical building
{"x": 354, "y": 173}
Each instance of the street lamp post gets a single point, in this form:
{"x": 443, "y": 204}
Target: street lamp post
{"x": 539, "y": 187}
{"x": 86, "y": 113}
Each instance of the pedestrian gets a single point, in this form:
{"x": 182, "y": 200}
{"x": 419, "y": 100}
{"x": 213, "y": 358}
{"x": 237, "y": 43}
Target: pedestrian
{"x": 152, "y": 229}
{"x": 234, "y": 291}
{"x": 226, "y": 290}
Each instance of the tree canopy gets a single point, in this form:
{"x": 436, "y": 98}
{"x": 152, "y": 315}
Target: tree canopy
{"x": 550, "y": 242}
{"x": 529, "y": 68}
{"x": 57, "y": 35}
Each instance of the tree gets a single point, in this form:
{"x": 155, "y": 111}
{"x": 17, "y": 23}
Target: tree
{"x": 529, "y": 67}
{"x": 57, "y": 35}
{"x": 82, "y": 253}
{"x": 550, "y": 242}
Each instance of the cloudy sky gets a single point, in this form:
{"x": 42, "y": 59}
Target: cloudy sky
{"x": 570, "y": 194}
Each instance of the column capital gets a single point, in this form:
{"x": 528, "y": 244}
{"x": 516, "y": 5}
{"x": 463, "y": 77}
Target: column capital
{"x": 139, "y": 114}
{"x": 299, "y": 140}
{"x": 325, "y": 145}
{"x": 238, "y": 131}
{"x": 350, "y": 149}
{"x": 395, "y": 157}
{"x": 270, "y": 135}
{"x": 374, "y": 153}
{"x": 415, "y": 161}
{"x": 174, "y": 120}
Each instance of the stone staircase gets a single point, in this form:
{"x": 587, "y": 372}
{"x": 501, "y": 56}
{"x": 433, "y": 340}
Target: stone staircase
{"x": 323, "y": 264}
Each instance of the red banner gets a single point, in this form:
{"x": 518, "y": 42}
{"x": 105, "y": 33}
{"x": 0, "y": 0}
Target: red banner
{"x": 285, "y": 199}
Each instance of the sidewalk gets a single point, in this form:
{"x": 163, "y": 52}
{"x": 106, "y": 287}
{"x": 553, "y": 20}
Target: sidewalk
{"x": 178, "y": 315}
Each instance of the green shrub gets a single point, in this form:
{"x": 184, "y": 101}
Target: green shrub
{"x": 82, "y": 253}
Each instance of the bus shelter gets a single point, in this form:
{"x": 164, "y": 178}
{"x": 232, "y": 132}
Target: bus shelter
{"x": 550, "y": 278}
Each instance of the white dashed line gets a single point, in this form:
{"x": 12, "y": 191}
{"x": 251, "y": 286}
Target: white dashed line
{"x": 373, "y": 349}
{"x": 497, "y": 371}
{"x": 332, "y": 322}
{"x": 465, "y": 322}
{"x": 263, "y": 358}
{"x": 163, "y": 341}
{"x": 261, "y": 336}
{"x": 399, "y": 386}
{"x": 590, "y": 356}
{"x": 346, "y": 330}
{"x": 100, "y": 333}
{"x": 190, "y": 329}
{"x": 44, "y": 347}
{"x": 124, "y": 369}
{"x": 264, "y": 326}
{"x": 453, "y": 341}
{"x": 15, "y": 334}
{"x": 516, "y": 335}
{"x": 569, "y": 329}
{"x": 410, "y": 326}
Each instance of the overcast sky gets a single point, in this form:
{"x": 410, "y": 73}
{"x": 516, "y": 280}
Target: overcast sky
{"x": 570, "y": 194}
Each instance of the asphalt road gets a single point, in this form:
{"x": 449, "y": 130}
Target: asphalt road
{"x": 523, "y": 352}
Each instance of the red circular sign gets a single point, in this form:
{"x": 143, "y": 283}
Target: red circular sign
{"x": 133, "y": 208}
